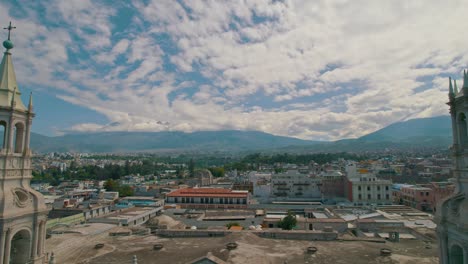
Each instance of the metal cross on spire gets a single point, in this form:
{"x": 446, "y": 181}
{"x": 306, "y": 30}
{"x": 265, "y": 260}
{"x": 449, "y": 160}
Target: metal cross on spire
{"x": 9, "y": 28}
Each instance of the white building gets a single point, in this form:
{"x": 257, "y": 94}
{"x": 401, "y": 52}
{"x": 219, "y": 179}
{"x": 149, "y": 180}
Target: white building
{"x": 293, "y": 184}
{"x": 351, "y": 170}
{"x": 261, "y": 183}
{"x": 364, "y": 187}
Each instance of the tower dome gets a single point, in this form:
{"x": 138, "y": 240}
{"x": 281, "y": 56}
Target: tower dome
{"x": 8, "y": 44}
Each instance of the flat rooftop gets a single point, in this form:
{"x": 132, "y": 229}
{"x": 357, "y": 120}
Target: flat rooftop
{"x": 78, "y": 248}
{"x": 128, "y": 213}
{"x": 208, "y": 192}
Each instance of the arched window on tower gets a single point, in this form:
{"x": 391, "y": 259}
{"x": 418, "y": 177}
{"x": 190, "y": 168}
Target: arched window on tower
{"x": 462, "y": 130}
{"x": 3, "y": 134}
{"x": 456, "y": 254}
{"x": 19, "y": 137}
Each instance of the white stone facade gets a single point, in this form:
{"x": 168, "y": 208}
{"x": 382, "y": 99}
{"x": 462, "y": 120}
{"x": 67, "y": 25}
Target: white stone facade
{"x": 452, "y": 214}
{"x": 23, "y": 212}
{"x": 368, "y": 189}
{"x": 261, "y": 184}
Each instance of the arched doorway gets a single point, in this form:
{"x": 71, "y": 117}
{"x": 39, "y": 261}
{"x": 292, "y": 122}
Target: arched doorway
{"x": 456, "y": 255}
{"x": 20, "y": 247}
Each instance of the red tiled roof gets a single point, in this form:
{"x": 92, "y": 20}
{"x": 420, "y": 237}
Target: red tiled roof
{"x": 207, "y": 192}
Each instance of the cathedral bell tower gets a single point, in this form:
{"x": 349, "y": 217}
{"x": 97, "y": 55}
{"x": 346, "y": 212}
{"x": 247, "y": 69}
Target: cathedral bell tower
{"x": 452, "y": 214}
{"x": 23, "y": 212}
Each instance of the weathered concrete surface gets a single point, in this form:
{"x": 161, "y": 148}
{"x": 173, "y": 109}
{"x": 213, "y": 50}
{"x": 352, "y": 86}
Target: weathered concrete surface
{"x": 75, "y": 248}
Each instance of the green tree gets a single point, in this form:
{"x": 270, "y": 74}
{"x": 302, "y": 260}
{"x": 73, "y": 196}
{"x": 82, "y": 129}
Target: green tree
{"x": 289, "y": 222}
{"x": 125, "y": 190}
{"x": 72, "y": 165}
{"x": 191, "y": 168}
{"x": 111, "y": 185}
{"x": 217, "y": 171}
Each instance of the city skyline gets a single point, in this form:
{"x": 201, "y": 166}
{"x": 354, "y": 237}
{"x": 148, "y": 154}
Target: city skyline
{"x": 323, "y": 70}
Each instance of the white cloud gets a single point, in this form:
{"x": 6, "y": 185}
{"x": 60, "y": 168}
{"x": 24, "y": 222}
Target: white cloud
{"x": 309, "y": 69}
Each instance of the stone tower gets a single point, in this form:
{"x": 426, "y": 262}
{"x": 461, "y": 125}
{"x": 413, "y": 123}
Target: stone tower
{"x": 452, "y": 214}
{"x": 23, "y": 212}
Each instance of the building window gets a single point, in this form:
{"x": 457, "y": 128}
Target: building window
{"x": 378, "y": 196}
{"x": 360, "y": 196}
{"x": 359, "y": 188}
{"x": 386, "y": 188}
{"x": 386, "y": 196}
{"x": 368, "y": 188}
{"x": 378, "y": 188}
{"x": 368, "y": 196}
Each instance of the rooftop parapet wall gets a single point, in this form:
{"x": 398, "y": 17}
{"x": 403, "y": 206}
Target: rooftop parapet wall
{"x": 275, "y": 234}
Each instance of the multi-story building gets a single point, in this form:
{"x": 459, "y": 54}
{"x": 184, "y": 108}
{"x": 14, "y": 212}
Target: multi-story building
{"x": 440, "y": 190}
{"x": 365, "y": 188}
{"x": 261, "y": 184}
{"x": 333, "y": 184}
{"x": 423, "y": 197}
{"x": 293, "y": 184}
{"x": 415, "y": 196}
{"x": 208, "y": 198}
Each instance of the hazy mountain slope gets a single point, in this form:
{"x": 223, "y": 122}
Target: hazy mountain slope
{"x": 151, "y": 141}
{"x": 439, "y": 126}
{"x": 416, "y": 133}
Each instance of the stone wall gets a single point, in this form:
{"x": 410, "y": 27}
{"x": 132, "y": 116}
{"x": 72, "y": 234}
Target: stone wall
{"x": 276, "y": 234}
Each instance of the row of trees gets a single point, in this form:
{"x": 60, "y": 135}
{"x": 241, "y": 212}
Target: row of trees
{"x": 251, "y": 161}
{"x": 187, "y": 167}
{"x": 114, "y": 186}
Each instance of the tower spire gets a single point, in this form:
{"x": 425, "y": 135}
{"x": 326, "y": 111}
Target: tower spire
{"x": 465, "y": 79}
{"x": 455, "y": 88}
{"x": 13, "y": 102}
{"x": 7, "y": 43}
{"x": 30, "y": 105}
{"x": 9, "y": 28}
{"x": 8, "y": 84}
{"x": 450, "y": 87}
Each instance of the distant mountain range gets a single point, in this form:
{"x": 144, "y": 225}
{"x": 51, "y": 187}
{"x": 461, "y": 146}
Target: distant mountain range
{"x": 432, "y": 132}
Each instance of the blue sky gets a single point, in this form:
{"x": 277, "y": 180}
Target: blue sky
{"x": 321, "y": 70}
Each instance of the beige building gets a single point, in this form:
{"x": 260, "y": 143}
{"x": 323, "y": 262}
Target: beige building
{"x": 295, "y": 185}
{"x": 23, "y": 212}
{"x": 363, "y": 188}
{"x": 452, "y": 214}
